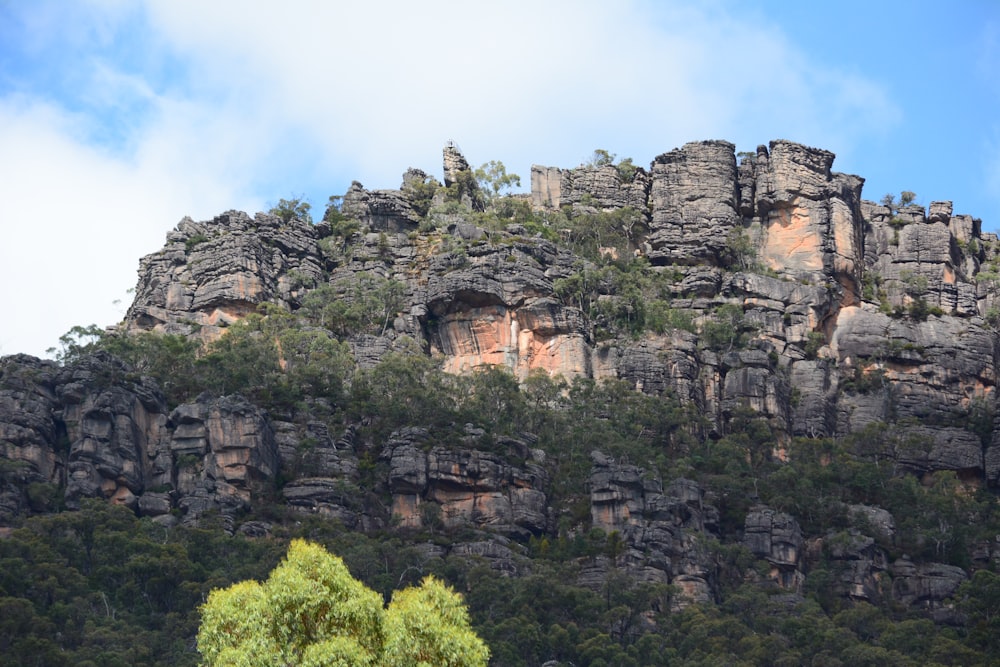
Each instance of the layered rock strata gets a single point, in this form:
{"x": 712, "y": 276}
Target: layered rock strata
{"x": 840, "y": 313}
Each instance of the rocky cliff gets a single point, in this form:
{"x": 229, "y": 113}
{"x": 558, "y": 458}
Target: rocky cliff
{"x": 758, "y": 284}
{"x": 830, "y": 287}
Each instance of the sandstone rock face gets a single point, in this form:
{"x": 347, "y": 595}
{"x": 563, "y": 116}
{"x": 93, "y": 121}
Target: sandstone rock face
{"x": 821, "y": 318}
{"x": 810, "y": 217}
{"x": 211, "y": 274}
{"x": 331, "y": 498}
{"x": 464, "y": 487}
{"x": 489, "y": 298}
{"x": 114, "y": 432}
{"x": 881, "y": 522}
{"x": 860, "y": 564}
{"x": 932, "y": 371}
{"x": 604, "y": 188}
{"x": 380, "y": 210}
{"x": 694, "y": 202}
{"x": 927, "y": 585}
{"x": 95, "y": 431}
{"x": 225, "y": 451}
{"x": 917, "y": 258}
{"x": 661, "y": 529}
{"x": 777, "y": 538}
{"x": 546, "y": 185}
{"x": 30, "y": 433}
{"x": 454, "y": 163}
{"x": 835, "y": 314}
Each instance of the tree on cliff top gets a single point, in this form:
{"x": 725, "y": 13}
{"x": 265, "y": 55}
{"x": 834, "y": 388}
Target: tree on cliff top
{"x": 290, "y": 209}
{"x": 906, "y": 197}
{"x": 311, "y": 611}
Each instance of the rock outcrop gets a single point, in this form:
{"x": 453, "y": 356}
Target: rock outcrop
{"x": 758, "y": 284}
{"x": 660, "y": 531}
{"x": 33, "y": 438}
{"x": 448, "y": 488}
{"x": 213, "y": 273}
{"x": 93, "y": 431}
{"x": 861, "y": 311}
{"x": 225, "y": 454}
{"x": 831, "y": 288}
{"x": 694, "y": 204}
{"x": 380, "y": 210}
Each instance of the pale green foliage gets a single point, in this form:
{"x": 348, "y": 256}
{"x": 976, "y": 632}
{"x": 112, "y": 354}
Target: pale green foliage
{"x": 77, "y": 342}
{"x": 627, "y": 170}
{"x": 312, "y": 612}
{"x": 421, "y": 193}
{"x": 601, "y": 158}
{"x": 493, "y": 178}
{"x": 429, "y": 627}
{"x": 740, "y": 249}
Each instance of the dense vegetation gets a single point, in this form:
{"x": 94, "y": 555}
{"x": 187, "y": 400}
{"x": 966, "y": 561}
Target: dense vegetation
{"x": 83, "y": 586}
{"x": 99, "y": 586}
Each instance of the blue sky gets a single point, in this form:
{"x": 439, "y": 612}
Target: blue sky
{"x": 119, "y": 117}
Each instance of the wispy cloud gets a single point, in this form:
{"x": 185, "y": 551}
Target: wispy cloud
{"x": 76, "y": 217}
{"x": 528, "y": 83}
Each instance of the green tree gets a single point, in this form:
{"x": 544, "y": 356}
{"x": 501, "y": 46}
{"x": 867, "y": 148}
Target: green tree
{"x": 627, "y": 170}
{"x": 604, "y": 158}
{"x": 169, "y": 358}
{"x": 493, "y": 398}
{"x": 429, "y": 625}
{"x": 421, "y": 192}
{"x": 289, "y": 209}
{"x": 740, "y": 250}
{"x": 333, "y": 211}
{"x": 315, "y": 363}
{"x": 726, "y": 330}
{"x": 601, "y": 158}
{"x": 403, "y": 389}
{"x": 366, "y": 303}
{"x": 493, "y": 179}
{"x": 245, "y": 360}
{"x": 77, "y": 342}
{"x": 906, "y": 197}
{"x": 311, "y": 611}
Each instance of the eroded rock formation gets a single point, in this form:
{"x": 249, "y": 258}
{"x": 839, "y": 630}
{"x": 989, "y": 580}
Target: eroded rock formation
{"x": 831, "y": 314}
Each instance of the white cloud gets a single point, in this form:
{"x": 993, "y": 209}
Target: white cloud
{"x": 530, "y": 82}
{"x": 76, "y": 219}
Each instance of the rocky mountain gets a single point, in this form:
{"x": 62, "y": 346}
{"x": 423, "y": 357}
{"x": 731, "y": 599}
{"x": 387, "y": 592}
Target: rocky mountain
{"x": 787, "y": 320}
{"x": 841, "y": 289}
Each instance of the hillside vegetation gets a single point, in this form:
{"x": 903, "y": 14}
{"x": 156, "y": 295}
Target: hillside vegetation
{"x": 720, "y": 411}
